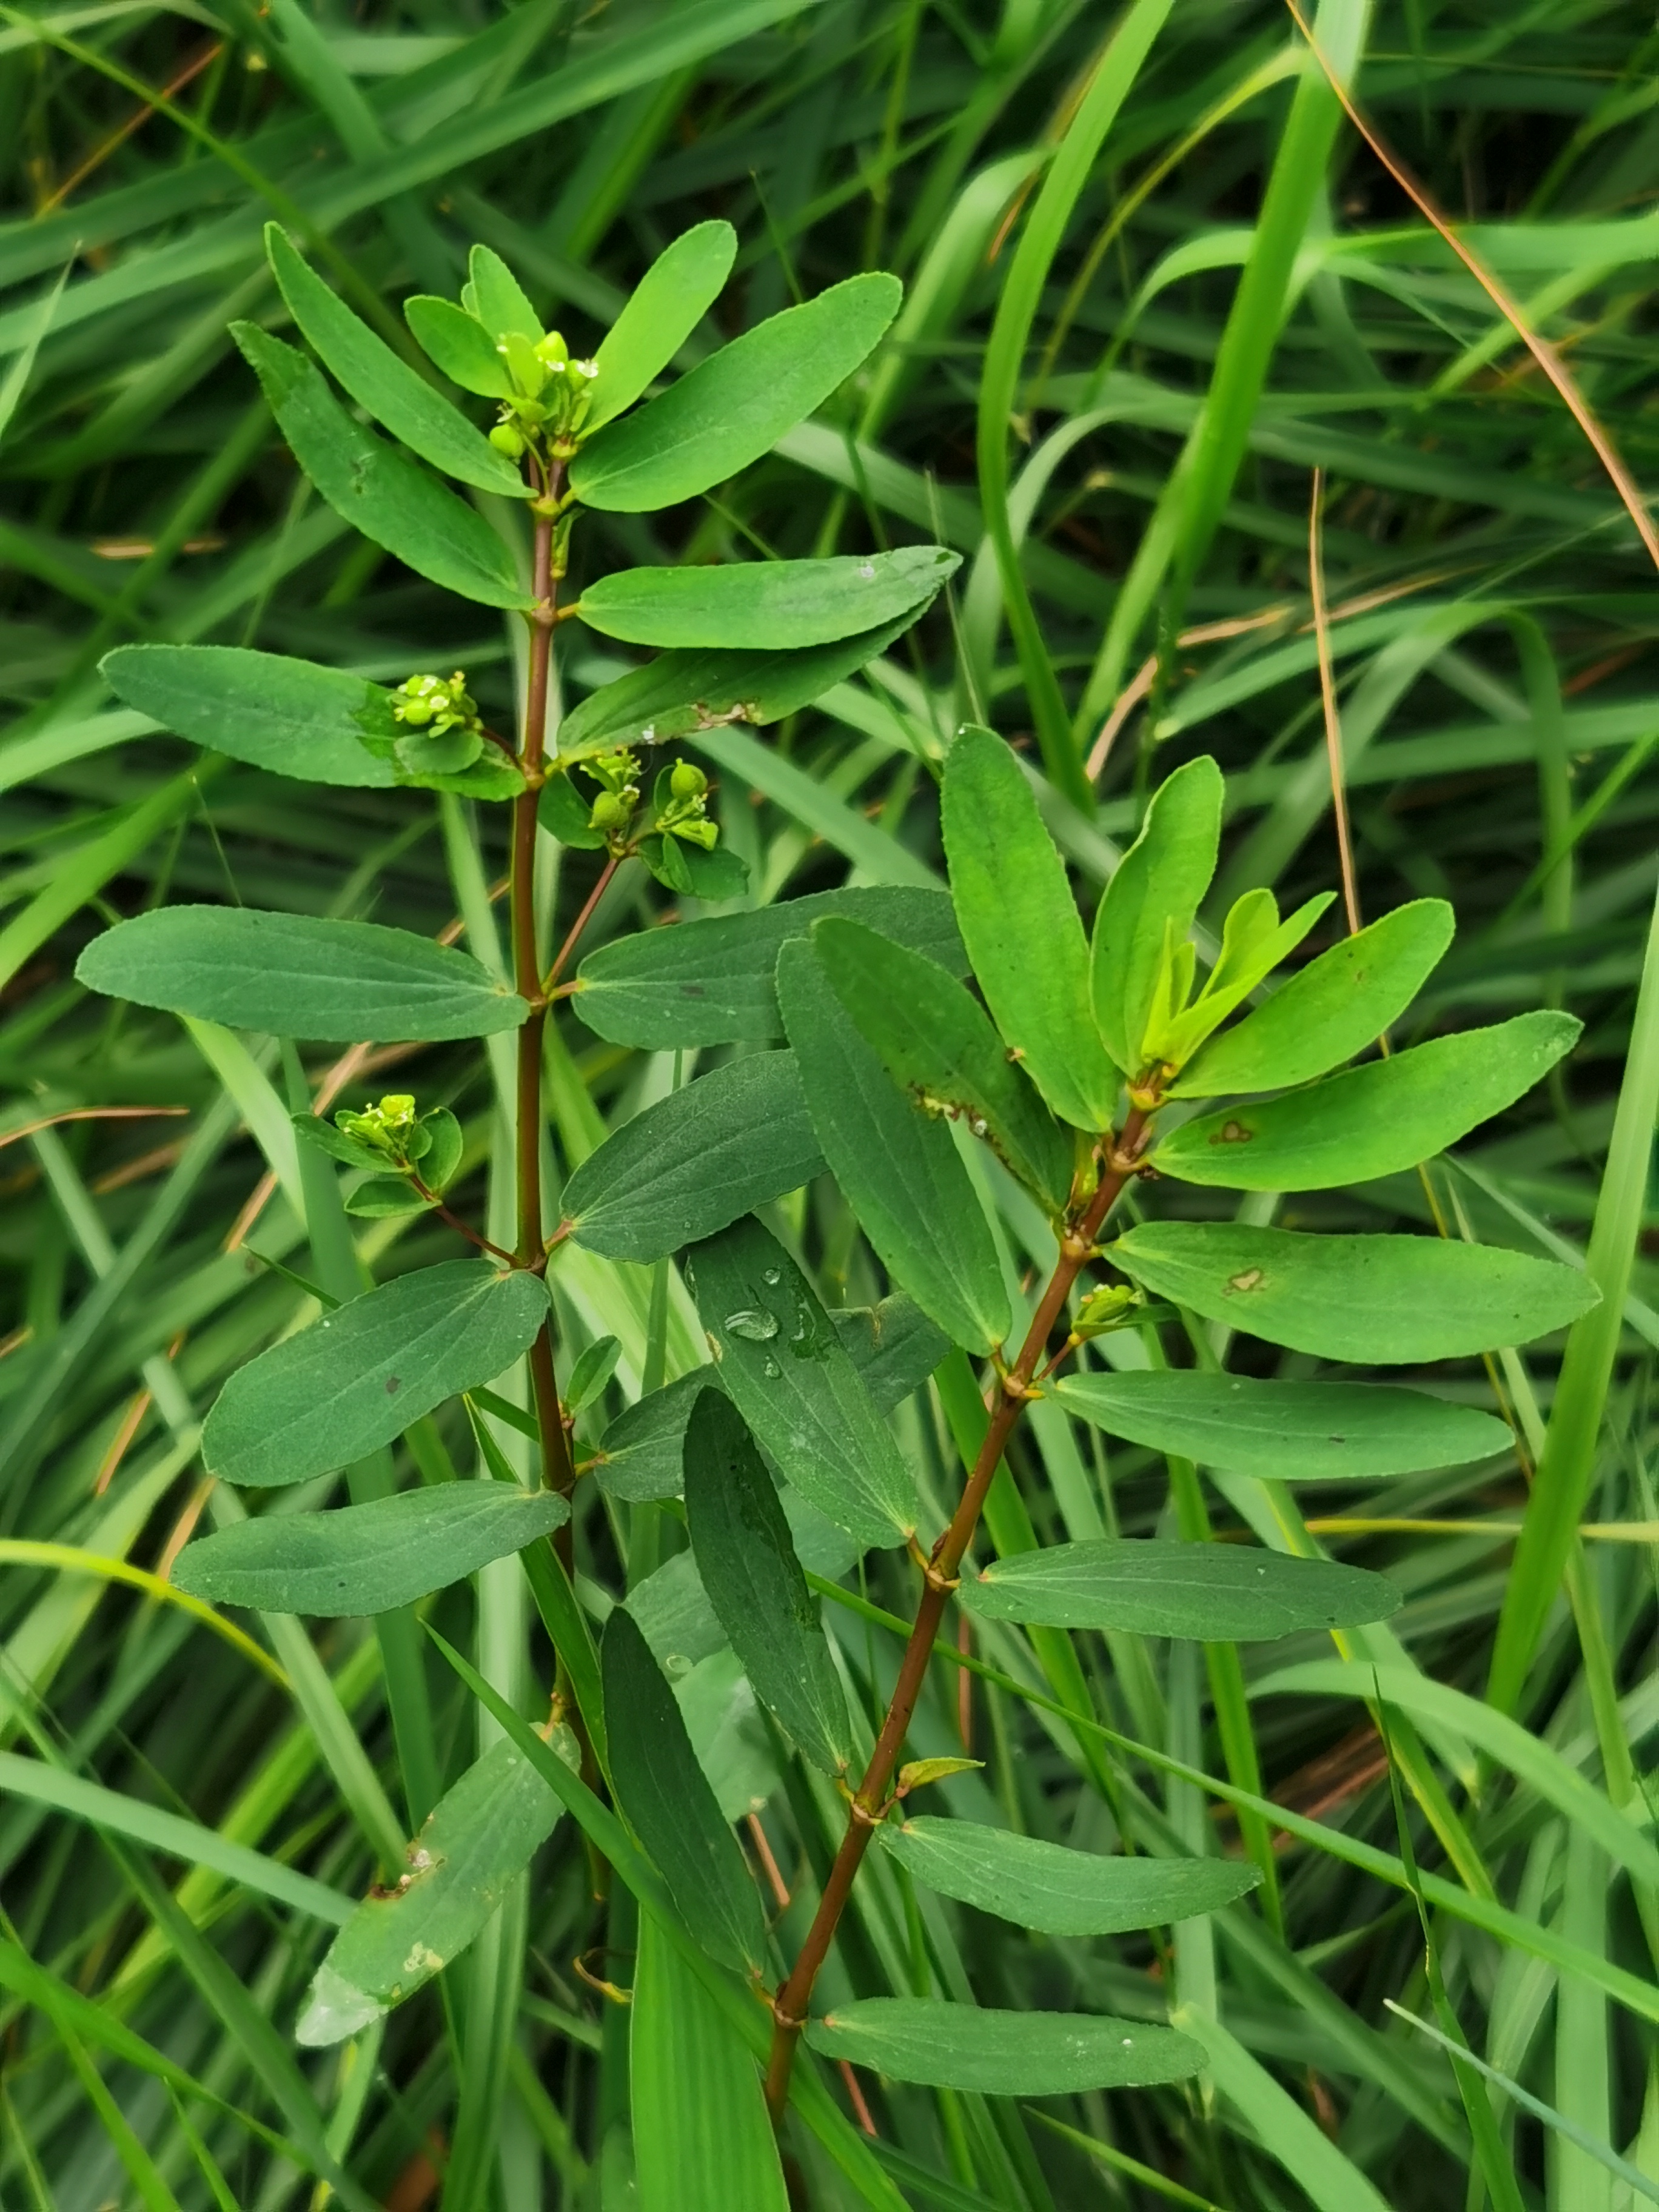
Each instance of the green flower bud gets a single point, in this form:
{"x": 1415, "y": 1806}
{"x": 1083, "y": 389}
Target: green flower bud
{"x": 610, "y": 811}
{"x": 688, "y": 781}
{"x": 506, "y": 439}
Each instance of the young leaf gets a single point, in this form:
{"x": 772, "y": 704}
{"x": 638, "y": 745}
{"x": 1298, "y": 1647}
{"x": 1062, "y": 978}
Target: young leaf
{"x": 765, "y": 605}
{"x": 370, "y": 1557}
{"x": 1001, "y": 2054}
{"x": 475, "y": 1841}
{"x": 1339, "y": 1004}
{"x": 932, "y": 1037}
{"x": 1371, "y": 1120}
{"x": 735, "y": 406}
{"x": 913, "y": 1196}
{"x": 793, "y": 1382}
{"x": 289, "y": 716}
{"x": 1287, "y": 1431}
{"x": 1021, "y": 929}
{"x": 661, "y": 1789}
{"x": 713, "y": 982}
{"x": 755, "y": 1584}
{"x": 299, "y": 974}
{"x": 390, "y": 389}
{"x": 374, "y": 487}
{"x": 591, "y": 1371}
{"x": 666, "y": 305}
{"x": 1254, "y": 941}
{"x": 695, "y": 1160}
{"x": 356, "y": 1379}
{"x": 702, "y": 2140}
{"x": 1214, "y": 1593}
{"x": 1060, "y": 1892}
{"x": 1160, "y": 882}
{"x": 498, "y": 297}
{"x": 459, "y": 345}
{"x": 1378, "y": 1301}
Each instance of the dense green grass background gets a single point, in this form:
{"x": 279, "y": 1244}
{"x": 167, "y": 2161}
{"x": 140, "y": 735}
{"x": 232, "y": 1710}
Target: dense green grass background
{"x": 1490, "y": 612}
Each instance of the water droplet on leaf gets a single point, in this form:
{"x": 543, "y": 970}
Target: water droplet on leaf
{"x": 754, "y": 1323}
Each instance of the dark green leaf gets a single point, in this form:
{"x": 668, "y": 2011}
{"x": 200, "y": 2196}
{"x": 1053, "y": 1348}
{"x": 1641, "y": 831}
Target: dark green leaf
{"x": 1287, "y": 1431}
{"x": 592, "y": 1371}
{"x": 765, "y": 605}
{"x": 1063, "y": 1892}
{"x": 313, "y": 1129}
{"x": 664, "y": 308}
{"x": 734, "y": 407}
{"x": 1216, "y": 1593}
{"x": 387, "y": 387}
{"x": 356, "y": 1379}
{"x": 1378, "y": 1301}
{"x": 1022, "y": 930}
{"x": 789, "y": 1375}
{"x": 913, "y": 1196}
{"x": 661, "y": 1790}
{"x": 289, "y": 716}
{"x": 694, "y": 1160}
{"x": 716, "y": 874}
{"x": 755, "y": 1584}
{"x": 382, "y": 1197}
{"x": 298, "y": 975}
{"x": 459, "y": 345}
{"x": 566, "y": 811}
{"x": 1338, "y": 1005}
{"x": 1159, "y": 884}
{"x": 1002, "y": 2054}
{"x": 374, "y": 487}
{"x": 713, "y": 982}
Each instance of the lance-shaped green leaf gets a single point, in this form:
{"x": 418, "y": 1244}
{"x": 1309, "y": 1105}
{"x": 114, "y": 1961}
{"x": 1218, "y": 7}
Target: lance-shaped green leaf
{"x": 1371, "y": 1120}
{"x": 666, "y": 305}
{"x": 932, "y": 1036}
{"x": 370, "y": 1557}
{"x": 1159, "y": 884}
{"x": 735, "y": 406}
{"x": 670, "y": 1806}
{"x": 747, "y": 1561}
{"x": 1287, "y": 1431}
{"x": 289, "y": 716}
{"x": 299, "y": 975}
{"x": 374, "y": 487}
{"x": 1339, "y": 1004}
{"x": 1002, "y": 2054}
{"x": 388, "y": 388}
{"x": 1060, "y": 1892}
{"x": 477, "y": 1840}
{"x": 1253, "y": 940}
{"x": 497, "y": 298}
{"x": 458, "y": 345}
{"x": 765, "y": 605}
{"x": 793, "y": 1380}
{"x": 356, "y": 1379}
{"x": 913, "y": 1196}
{"x": 1213, "y": 1593}
{"x": 695, "y": 1160}
{"x": 1378, "y": 1301}
{"x": 678, "y": 694}
{"x": 713, "y": 981}
{"x": 1022, "y": 930}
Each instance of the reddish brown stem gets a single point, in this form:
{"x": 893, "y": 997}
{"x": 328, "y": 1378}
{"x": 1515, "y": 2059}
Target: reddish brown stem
{"x": 574, "y": 936}
{"x": 866, "y": 1811}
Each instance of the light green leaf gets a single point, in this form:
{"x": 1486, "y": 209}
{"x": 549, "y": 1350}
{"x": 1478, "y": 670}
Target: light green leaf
{"x": 1212, "y": 1593}
{"x": 1060, "y": 1892}
{"x": 664, "y": 308}
{"x": 695, "y": 1160}
{"x": 1022, "y": 930}
{"x": 374, "y": 487}
{"x": 788, "y": 1372}
{"x": 668, "y": 1803}
{"x": 498, "y": 298}
{"x": 1254, "y": 941}
{"x": 913, "y": 1196}
{"x": 299, "y": 974}
{"x": 734, "y": 406}
{"x": 458, "y": 345}
{"x": 766, "y": 606}
{"x": 1378, "y": 1301}
{"x": 289, "y": 716}
{"x": 1287, "y": 1431}
{"x": 1160, "y": 880}
{"x": 933, "y": 1038}
{"x": 753, "y": 1579}
{"x": 390, "y": 389}
{"x": 1371, "y": 1120}
{"x": 370, "y": 1557}
{"x": 356, "y": 1379}
{"x": 1339, "y": 1004}
{"x": 475, "y": 1841}
{"x": 1001, "y": 2054}
{"x": 712, "y": 982}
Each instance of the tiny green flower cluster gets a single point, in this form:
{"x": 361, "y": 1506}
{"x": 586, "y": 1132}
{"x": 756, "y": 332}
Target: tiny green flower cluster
{"x": 551, "y": 393}
{"x": 445, "y": 734}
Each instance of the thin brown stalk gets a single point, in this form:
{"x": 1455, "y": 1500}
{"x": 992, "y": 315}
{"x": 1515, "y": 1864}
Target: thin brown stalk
{"x": 1327, "y": 695}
